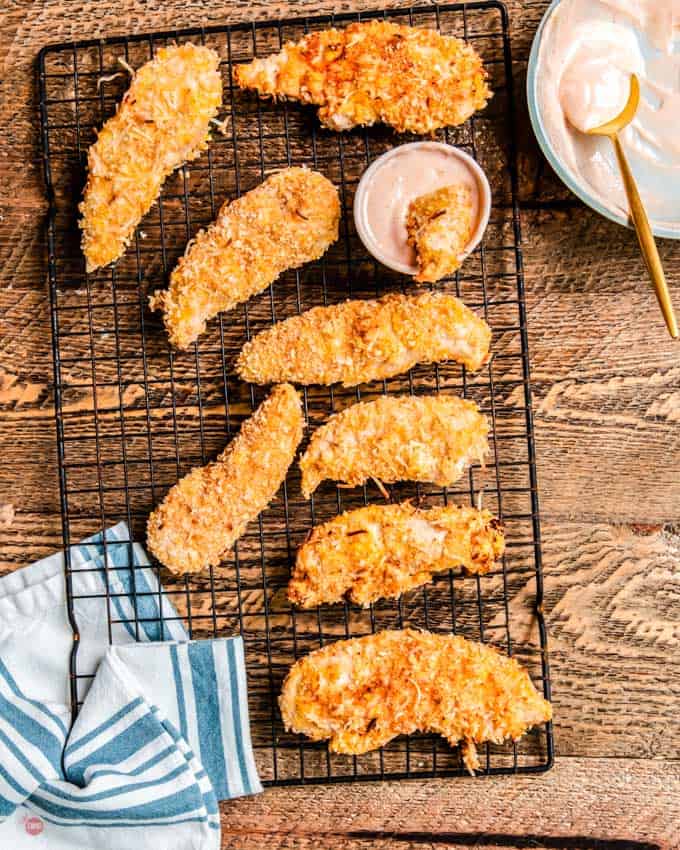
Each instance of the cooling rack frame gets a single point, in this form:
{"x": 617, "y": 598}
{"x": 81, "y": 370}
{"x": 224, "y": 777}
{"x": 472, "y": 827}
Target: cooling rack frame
{"x": 86, "y": 404}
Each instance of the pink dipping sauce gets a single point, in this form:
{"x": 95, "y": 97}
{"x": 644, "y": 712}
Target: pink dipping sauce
{"x": 411, "y": 171}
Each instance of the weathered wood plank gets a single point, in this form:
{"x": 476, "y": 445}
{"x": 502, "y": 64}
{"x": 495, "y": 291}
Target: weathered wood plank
{"x": 583, "y": 804}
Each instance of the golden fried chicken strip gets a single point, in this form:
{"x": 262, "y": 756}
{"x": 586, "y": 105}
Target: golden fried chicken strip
{"x": 381, "y": 551}
{"x": 397, "y": 438}
{"x": 288, "y": 220}
{"x": 440, "y": 226}
{"x": 162, "y": 122}
{"x": 366, "y": 340}
{"x": 207, "y": 510}
{"x": 414, "y": 79}
{"x": 363, "y": 692}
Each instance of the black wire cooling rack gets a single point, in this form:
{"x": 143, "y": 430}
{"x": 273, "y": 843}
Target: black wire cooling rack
{"x": 133, "y": 416}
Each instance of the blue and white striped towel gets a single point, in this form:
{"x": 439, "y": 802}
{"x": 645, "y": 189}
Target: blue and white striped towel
{"x": 163, "y": 732}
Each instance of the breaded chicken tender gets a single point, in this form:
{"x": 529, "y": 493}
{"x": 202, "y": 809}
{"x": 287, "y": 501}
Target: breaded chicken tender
{"x": 162, "y": 122}
{"x": 363, "y": 692}
{"x": 288, "y": 220}
{"x": 397, "y": 438}
{"x": 208, "y": 510}
{"x": 381, "y": 551}
{"x": 366, "y": 340}
{"x": 440, "y": 226}
{"x": 416, "y": 80}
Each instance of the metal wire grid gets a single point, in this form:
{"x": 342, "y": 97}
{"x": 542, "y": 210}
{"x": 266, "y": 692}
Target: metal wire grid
{"x": 132, "y": 415}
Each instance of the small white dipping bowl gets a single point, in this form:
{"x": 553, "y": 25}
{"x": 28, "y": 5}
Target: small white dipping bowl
{"x": 361, "y": 215}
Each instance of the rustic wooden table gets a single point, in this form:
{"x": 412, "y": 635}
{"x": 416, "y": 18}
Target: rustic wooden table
{"x": 606, "y": 385}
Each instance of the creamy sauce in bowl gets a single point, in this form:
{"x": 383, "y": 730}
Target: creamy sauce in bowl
{"x": 588, "y": 50}
{"x": 592, "y": 89}
{"x": 397, "y": 178}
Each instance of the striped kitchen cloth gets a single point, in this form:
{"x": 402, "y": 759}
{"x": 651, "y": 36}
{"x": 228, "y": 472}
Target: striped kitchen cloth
{"x": 162, "y": 734}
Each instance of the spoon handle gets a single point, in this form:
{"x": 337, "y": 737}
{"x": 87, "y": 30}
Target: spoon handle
{"x": 646, "y": 240}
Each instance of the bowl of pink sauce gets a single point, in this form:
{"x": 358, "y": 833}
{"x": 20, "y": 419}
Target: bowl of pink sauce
{"x": 581, "y": 61}
{"x": 398, "y": 177}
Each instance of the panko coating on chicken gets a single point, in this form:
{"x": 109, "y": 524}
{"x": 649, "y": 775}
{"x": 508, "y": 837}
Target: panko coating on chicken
{"x": 208, "y": 510}
{"x": 440, "y": 226}
{"x": 161, "y": 123}
{"x": 360, "y": 341}
{"x": 381, "y": 551}
{"x": 397, "y": 438}
{"x": 414, "y": 79}
{"x": 288, "y": 220}
{"x": 361, "y": 693}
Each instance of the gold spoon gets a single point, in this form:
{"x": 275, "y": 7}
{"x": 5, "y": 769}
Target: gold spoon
{"x": 611, "y": 129}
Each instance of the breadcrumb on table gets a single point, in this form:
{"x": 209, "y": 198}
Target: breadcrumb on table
{"x": 361, "y": 693}
{"x": 440, "y": 226}
{"x": 162, "y": 121}
{"x": 397, "y": 438}
{"x": 381, "y": 551}
{"x": 288, "y": 220}
{"x": 208, "y": 510}
{"x": 414, "y": 79}
{"x": 360, "y": 341}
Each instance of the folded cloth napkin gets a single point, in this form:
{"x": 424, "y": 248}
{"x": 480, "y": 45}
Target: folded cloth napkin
{"x": 35, "y": 634}
{"x": 162, "y": 734}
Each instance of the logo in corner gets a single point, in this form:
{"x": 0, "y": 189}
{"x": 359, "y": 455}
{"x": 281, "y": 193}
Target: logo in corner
{"x": 34, "y": 825}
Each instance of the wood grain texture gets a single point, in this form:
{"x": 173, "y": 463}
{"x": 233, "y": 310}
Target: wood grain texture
{"x": 583, "y": 804}
{"x": 607, "y": 405}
